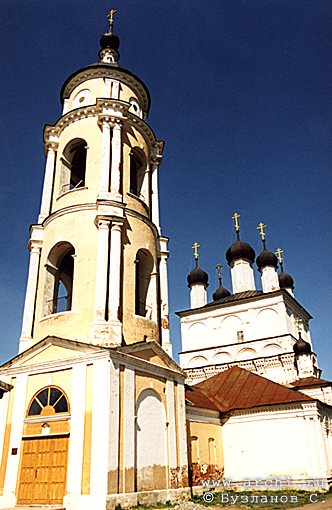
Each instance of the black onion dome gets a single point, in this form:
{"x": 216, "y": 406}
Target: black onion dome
{"x": 266, "y": 258}
{"x": 197, "y": 275}
{"x": 240, "y": 250}
{"x": 301, "y": 346}
{"x": 285, "y": 281}
{"x": 109, "y": 41}
{"x": 220, "y": 293}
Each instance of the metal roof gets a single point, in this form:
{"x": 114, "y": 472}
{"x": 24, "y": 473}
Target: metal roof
{"x": 238, "y": 388}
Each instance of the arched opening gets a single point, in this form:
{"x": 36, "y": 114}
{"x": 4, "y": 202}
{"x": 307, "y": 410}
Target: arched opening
{"x": 48, "y": 401}
{"x": 59, "y": 279}
{"x": 137, "y": 173}
{"x": 44, "y": 450}
{"x": 143, "y": 284}
{"x": 73, "y": 165}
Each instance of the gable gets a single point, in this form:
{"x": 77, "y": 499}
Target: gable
{"x": 149, "y": 355}
{"x": 51, "y": 349}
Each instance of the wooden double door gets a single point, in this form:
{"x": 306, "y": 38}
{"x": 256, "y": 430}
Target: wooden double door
{"x": 43, "y": 470}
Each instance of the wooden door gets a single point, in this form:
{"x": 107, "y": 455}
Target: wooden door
{"x": 43, "y": 471}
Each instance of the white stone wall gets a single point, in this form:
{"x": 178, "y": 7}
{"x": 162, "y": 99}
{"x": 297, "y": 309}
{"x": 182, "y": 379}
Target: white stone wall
{"x": 283, "y": 444}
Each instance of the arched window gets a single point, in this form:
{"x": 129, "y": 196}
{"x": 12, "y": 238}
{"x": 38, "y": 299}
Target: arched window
{"x": 59, "y": 279}
{"x": 48, "y": 401}
{"x": 137, "y": 173}
{"x": 143, "y": 288}
{"x": 73, "y": 165}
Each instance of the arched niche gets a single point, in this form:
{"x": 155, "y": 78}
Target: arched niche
{"x": 151, "y": 454}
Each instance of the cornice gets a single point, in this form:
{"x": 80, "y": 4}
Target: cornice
{"x": 113, "y": 111}
{"x": 268, "y": 295}
{"x": 107, "y": 71}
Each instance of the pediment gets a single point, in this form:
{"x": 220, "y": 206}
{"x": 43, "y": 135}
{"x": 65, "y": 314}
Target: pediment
{"x": 51, "y": 349}
{"x": 152, "y": 352}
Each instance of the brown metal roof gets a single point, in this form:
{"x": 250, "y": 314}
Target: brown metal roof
{"x": 238, "y": 388}
{"x": 310, "y": 381}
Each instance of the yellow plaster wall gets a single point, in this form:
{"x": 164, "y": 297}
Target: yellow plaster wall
{"x": 49, "y": 353}
{"x": 62, "y": 379}
{"x": 138, "y": 235}
{"x": 149, "y": 355}
{"x": 95, "y": 85}
{"x": 89, "y": 130}
{"x": 86, "y": 462}
{"x": 126, "y": 93}
{"x": 74, "y": 324}
{"x": 8, "y": 428}
{"x": 144, "y": 381}
{"x": 204, "y": 431}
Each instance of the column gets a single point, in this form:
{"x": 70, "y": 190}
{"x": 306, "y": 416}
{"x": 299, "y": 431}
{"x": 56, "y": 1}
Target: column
{"x": 116, "y": 161}
{"x": 165, "y": 341}
{"x": 45, "y": 207}
{"x": 155, "y": 198}
{"x": 114, "y": 283}
{"x": 30, "y": 297}
{"x": 115, "y": 267}
{"x": 105, "y": 157}
{"x": 101, "y": 273}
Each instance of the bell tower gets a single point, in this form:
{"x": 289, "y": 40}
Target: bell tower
{"x": 98, "y": 270}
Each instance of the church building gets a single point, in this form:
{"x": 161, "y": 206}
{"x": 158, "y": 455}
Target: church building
{"x": 94, "y": 411}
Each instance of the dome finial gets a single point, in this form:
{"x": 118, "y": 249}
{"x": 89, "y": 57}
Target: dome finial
{"x": 109, "y": 43}
{"x": 279, "y": 253}
{"x": 236, "y": 217}
{"x": 261, "y": 227}
{"x": 219, "y": 273}
{"x": 221, "y": 292}
{"x": 110, "y": 16}
{"x": 195, "y": 247}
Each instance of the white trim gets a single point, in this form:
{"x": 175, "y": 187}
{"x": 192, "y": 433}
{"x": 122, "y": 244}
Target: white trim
{"x": 171, "y": 424}
{"x": 129, "y": 418}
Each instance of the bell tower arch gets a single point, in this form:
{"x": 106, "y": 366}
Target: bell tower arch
{"x": 98, "y": 227}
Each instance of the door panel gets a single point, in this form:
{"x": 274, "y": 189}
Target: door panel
{"x": 43, "y": 470}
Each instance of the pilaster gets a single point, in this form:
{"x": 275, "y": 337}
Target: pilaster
{"x": 45, "y": 208}
{"x": 164, "y": 314}
{"x": 99, "y": 323}
{"x": 155, "y": 197}
{"x": 35, "y": 246}
{"x": 105, "y": 155}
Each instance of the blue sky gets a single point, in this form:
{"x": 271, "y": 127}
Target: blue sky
{"x": 241, "y": 94}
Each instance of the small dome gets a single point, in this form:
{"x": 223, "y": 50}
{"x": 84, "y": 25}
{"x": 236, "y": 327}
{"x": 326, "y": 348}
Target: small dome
{"x": 301, "y": 347}
{"x": 240, "y": 250}
{"x": 109, "y": 41}
{"x": 266, "y": 258}
{"x": 197, "y": 275}
{"x": 285, "y": 281}
{"x": 220, "y": 293}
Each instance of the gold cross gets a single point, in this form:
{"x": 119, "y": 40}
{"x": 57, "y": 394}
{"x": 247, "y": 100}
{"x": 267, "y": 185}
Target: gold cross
{"x": 218, "y": 268}
{"x": 236, "y": 217}
{"x": 111, "y": 18}
{"x": 298, "y": 323}
{"x": 195, "y": 247}
{"x": 279, "y": 252}
{"x": 261, "y": 227}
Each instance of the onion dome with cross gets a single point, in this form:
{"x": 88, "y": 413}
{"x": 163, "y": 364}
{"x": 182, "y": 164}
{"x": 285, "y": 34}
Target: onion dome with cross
{"x": 221, "y": 292}
{"x": 301, "y": 346}
{"x": 197, "y": 275}
{"x": 265, "y": 258}
{"x": 285, "y": 280}
{"x": 239, "y": 249}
